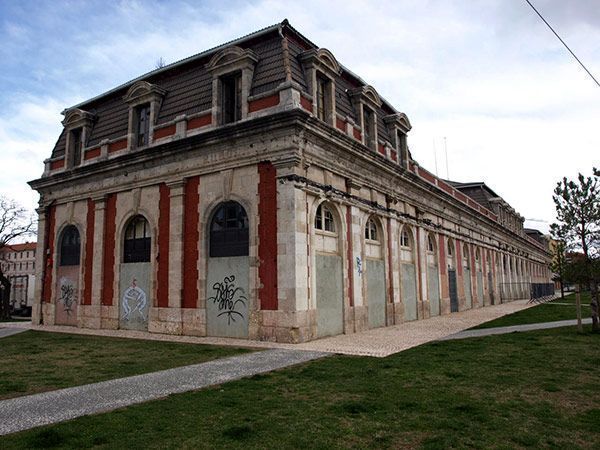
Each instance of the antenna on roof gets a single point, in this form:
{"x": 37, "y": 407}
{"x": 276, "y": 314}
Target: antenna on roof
{"x": 446, "y": 150}
{"x": 435, "y": 158}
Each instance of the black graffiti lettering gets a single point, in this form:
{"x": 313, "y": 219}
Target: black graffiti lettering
{"x": 67, "y": 298}
{"x": 227, "y": 297}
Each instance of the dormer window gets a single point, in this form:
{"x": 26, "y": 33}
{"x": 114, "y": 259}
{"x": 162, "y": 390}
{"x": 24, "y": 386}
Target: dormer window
{"x": 401, "y": 145}
{"x": 366, "y": 103}
{"x": 142, "y": 131}
{"x": 232, "y": 71}
{"x": 398, "y": 127}
{"x": 78, "y": 126}
{"x": 144, "y": 101}
{"x": 324, "y": 86}
{"x": 369, "y": 128}
{"x": 321, "y": 69}
{"x": 231, "y": 98}
{"x": 76, "y": 143}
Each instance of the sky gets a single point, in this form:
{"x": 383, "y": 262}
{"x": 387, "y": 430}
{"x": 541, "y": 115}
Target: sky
{"x": 484, "y": 82}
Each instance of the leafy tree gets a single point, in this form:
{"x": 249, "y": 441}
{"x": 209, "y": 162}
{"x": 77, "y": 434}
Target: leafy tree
{"x": 578, "y": 225}
{"x": 15, "y": 223}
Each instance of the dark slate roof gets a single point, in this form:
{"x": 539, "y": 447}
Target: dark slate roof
{"x": 478, "y": 191}
{"x": 188, "y": 85}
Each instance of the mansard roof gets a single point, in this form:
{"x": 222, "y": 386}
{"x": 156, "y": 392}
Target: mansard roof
{"x": 187, "y": 86}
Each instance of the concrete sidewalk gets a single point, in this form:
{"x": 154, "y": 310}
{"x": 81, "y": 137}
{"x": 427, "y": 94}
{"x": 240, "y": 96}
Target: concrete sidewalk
{"x": 378, "y": 342}
{"x": 514, "y": 329}
{"x": 23, "y": 413}
{"x": 4, "y": 331}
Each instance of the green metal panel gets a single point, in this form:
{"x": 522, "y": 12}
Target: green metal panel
{"x": 480, "y": 288}
{"x": 227, "y": 299}
{"x": 134, "y": 296}
{"x": 376, "y": 292}
{"x": 67, "y": 289}
{"x": 329, "y": 295}
{"x": 467, "y": 284}
{"x": 409, "y": 291}
{"x": 433, "y": 290}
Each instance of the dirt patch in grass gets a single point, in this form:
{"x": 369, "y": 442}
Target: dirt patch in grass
{"x": 36, "y": 361}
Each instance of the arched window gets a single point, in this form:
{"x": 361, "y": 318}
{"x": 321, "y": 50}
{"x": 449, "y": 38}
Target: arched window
{"x": 371, "y": 230}
{"x": 405, "y": 240}
{"x": 430, "y": 244}
{"x": 70, "y": 246}
{"x": 136, "y": 247}
{"x": 324, "y": 219}
{"x": 450, "y": 247}
{"x": 477, "y": 255}
{"x": 229, "y": 231}
{"x": 466, "y": 256}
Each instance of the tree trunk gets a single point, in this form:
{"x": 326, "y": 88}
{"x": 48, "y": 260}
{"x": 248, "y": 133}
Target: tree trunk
{"x": 562, "y": 288}
{"x": 578, "y": 308}
{"x": 4, "y": 297}
{"x": 594, "y": 306}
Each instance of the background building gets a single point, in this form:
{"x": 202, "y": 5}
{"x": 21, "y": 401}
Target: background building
{"x": 260, "y": 189}
{"x": 18, "y": 265}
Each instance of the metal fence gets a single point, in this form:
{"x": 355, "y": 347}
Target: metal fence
{"x": 522, "y": 290}
{"x": 540, "y": 290}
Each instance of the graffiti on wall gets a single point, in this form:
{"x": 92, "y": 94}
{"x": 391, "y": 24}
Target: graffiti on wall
{"x": 227, "y": 297}
{"x": 67, "y": 295}
{"x": 134, "y": 301}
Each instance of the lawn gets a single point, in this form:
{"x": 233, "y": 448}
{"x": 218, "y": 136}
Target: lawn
{"x": 545, "y": 312}
{"x": 536, "y": 389}
{"x": 36, "y": 361}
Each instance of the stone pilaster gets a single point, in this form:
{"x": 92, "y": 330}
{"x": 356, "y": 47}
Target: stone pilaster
{"x": 36, "y": 310}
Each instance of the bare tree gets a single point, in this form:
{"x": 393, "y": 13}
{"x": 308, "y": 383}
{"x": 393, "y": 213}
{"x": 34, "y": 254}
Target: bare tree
{"x": 15, "y": 222}
{"x": 160, "y": 63}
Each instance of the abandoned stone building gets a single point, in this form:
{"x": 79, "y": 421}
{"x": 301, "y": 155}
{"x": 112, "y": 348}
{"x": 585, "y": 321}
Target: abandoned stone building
{"x": 262, "y": 190}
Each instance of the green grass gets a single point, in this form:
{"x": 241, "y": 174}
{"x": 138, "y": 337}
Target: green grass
{"x": 36, "y": 361}
{"x": 545, "y": 312}
{"x": 536, "y": 390}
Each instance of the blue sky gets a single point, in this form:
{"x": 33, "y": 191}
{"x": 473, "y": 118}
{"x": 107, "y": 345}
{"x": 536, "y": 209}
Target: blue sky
{"x": 516, "y": 110}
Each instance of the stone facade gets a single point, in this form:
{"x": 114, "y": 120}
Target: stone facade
{"x": 277, "y": 199}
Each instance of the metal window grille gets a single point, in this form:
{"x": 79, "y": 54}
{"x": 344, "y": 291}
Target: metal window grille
{"x": 70, "y": 246}
{"x": 229, "y": 235}
{"x": 137, "y": 244}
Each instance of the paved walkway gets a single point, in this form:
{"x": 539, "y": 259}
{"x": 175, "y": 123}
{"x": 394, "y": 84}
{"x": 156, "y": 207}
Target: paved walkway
{"x": 379, "y": 342}
{"x": 4, "y": 332}
{"x": 22, "y": 413}
{"x": 514, "y": 328}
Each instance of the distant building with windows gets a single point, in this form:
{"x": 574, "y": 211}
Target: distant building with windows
{"x": 18, "y": 265}
{"x": 262, "y": 190}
